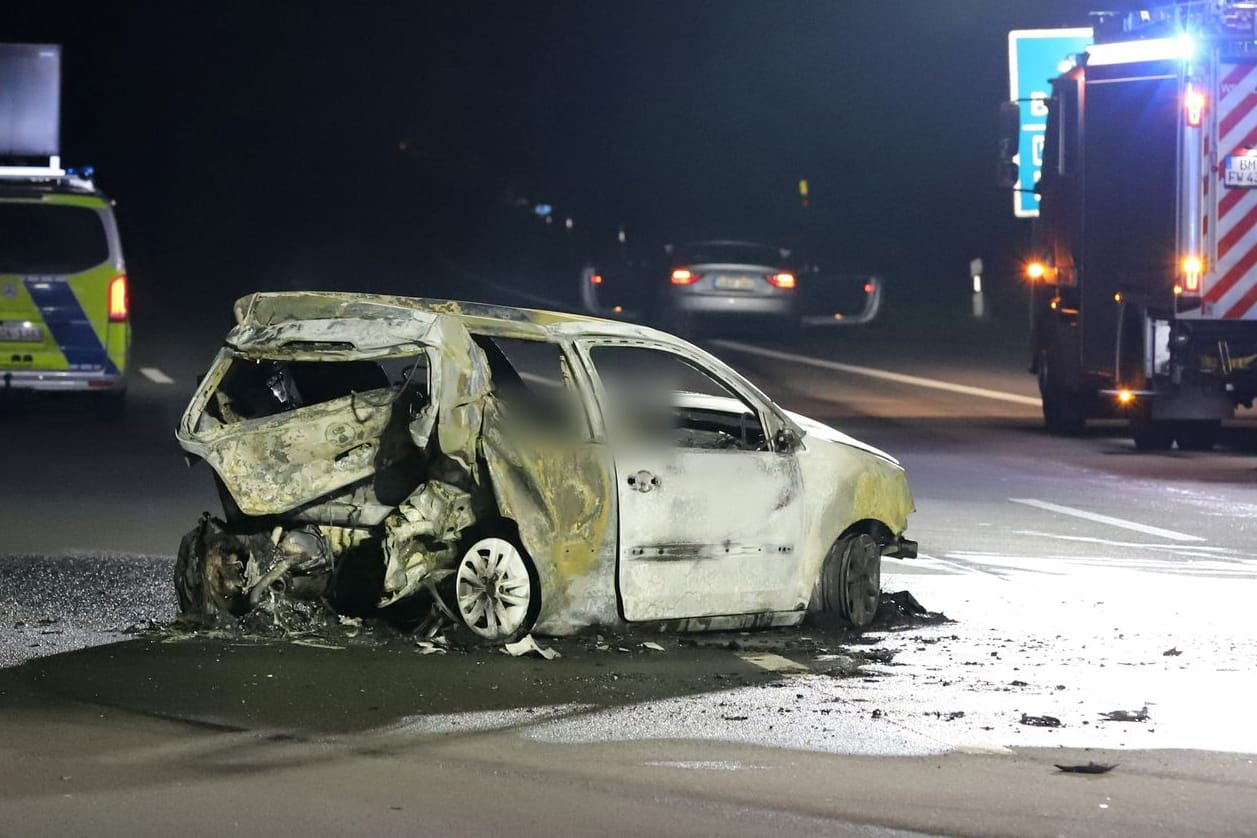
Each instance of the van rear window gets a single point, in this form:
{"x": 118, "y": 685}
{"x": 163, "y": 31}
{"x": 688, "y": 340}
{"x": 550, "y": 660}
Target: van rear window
{"x": 50, "y": 239}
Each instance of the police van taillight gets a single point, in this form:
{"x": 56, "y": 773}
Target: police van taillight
{"x": 119, "y": 305}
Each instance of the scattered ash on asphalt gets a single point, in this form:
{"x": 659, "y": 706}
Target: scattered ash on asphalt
{"x": 53, "y": 604}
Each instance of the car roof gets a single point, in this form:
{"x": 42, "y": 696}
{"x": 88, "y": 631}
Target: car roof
{"x": 268, "y": 308}
{"x": 58, "y": 193}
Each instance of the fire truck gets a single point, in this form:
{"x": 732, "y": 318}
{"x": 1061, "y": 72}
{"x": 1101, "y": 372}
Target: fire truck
{"x": 1144, "y": 267}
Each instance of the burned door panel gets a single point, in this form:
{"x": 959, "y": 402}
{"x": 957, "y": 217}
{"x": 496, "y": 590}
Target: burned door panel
{"x": 705, "y": 533}
{"x": 710, "y": 517}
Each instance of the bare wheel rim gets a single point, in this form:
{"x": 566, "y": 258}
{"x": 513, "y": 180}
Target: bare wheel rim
{"x": 493, "y": 589}
{"x": 862, "y": 581}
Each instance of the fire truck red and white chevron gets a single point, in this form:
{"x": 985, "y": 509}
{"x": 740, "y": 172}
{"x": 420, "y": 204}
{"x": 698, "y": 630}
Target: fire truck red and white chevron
{"x": 1231, "y": 288}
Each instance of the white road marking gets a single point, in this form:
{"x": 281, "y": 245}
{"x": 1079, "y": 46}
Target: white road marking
{"x": 1106, "y": 519}
{"x": 156, "y": 376}
{"x": 771, "y": 662}
{"x": 981, "y": 748}
{"x": 932, "y": 564}
{"x": 1047, "y": 564}
{"x": 1202, "y": 551}
{"x": 885, "y": 375}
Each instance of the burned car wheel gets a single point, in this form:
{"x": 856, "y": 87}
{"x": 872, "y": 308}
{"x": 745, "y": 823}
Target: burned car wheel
{"x": 496, "y": 590}
{"x": 850, "y": 583}
{"x": 209, "y": 576}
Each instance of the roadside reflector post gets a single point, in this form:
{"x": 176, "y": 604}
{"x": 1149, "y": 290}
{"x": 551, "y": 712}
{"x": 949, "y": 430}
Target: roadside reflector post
{"x": 979, "y": 303}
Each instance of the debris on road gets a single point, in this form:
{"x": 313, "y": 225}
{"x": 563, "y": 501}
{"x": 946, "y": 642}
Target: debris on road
{"x": 1140, "y": 715}
{"x": 1040, "y": 721}
{"x": 902, "y": 608}
{"x": 526, "y": 645}
{"x": 1088, "y": 768}
{"x": 1172, "y": 652}
{"x": 652, "y": 646}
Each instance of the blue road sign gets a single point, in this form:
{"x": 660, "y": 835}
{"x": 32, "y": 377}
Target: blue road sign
{"x": 1035, "y": 57}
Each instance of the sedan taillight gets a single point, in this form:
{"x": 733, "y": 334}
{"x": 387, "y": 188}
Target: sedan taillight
{"x": 681, "y": 276}
{"x": 782, "y": 280}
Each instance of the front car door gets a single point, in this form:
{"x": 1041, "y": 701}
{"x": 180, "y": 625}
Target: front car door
{"x": 711, "y": 516}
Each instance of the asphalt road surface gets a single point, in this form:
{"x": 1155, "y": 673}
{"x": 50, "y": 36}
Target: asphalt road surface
{"x": 1081, "y": 578}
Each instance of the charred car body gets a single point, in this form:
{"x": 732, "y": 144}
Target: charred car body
{"x": 532, "y": 470}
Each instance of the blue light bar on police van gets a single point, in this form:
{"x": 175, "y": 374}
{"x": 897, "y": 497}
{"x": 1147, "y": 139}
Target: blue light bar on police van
{"x": 1180, "y": 48}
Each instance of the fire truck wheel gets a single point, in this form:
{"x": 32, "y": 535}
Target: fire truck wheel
{"x": 1151, "y": 434}
{"x": 1062, "y": 407}
{"x": 1197, "y": 435}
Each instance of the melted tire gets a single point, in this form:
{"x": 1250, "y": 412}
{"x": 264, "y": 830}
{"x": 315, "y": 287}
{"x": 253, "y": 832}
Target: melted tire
{"x": 209, "y": 577}
{"x": 849, "y": 586}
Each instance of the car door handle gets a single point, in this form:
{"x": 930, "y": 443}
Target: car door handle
{"x": 643, "y": 481}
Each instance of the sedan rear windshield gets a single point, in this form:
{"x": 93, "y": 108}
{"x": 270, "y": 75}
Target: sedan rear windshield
{"x": 730, "y": 253}
{"x": 50, "y": 238}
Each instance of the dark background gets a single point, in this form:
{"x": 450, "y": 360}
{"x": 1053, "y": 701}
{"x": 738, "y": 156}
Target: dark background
{"x": 360, "y": 145}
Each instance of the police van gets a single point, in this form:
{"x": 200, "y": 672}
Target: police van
{"x": 64, "y": 310}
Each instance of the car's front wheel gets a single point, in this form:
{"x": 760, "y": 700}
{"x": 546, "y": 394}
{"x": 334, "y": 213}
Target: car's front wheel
{"x": 497, "y": 590}
{"x": 850, "y": 583}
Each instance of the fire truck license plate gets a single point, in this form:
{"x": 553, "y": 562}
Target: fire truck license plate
{"x": 1240, "y": 171}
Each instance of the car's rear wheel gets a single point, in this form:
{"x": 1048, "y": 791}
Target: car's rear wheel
{"x": 850, "y": 583}
{"x": 496, "y": 589}
{"x": 1062, "y": 407}
{"x": 209, "y": 576}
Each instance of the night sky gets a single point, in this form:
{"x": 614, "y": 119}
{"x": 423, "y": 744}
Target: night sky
{"x": 246, "y": 144}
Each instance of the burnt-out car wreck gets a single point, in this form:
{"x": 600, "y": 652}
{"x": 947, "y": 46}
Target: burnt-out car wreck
{"x": 531, "y": 471}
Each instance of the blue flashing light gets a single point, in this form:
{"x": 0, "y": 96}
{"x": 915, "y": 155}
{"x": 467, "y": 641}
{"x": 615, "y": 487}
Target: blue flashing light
{"x": 1185, "y": 46}
{"x": 543, "y": 210}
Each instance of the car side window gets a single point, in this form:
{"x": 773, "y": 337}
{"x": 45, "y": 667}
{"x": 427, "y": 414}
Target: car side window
{"x": 531, "y": 378}
{"x": 657, "y": 396}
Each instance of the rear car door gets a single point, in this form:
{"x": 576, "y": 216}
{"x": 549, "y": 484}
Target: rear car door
{"x": 711, "y": 518}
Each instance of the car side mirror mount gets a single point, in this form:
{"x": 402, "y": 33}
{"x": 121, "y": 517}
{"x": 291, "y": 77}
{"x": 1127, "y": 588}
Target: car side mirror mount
{"x": 786, "y": 441}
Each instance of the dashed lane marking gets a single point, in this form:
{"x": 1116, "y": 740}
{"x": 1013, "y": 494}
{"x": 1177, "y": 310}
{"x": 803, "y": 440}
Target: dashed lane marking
{"x": 884, "y": 375}
{"x": 156, "y": 376}
{"x": 771, "y": 662}
{"x": 1107, "y": 519}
